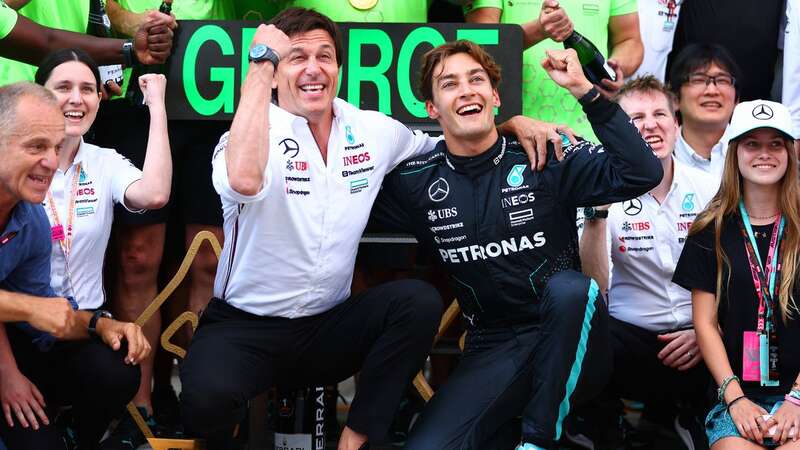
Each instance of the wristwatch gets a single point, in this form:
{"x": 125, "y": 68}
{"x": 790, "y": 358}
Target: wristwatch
{"x": 93, "y": 321}
{"x": 260, "y": 53}
{"x": 592, "y": 213}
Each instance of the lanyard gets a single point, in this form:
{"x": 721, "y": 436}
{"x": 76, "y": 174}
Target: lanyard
{"x": 766, "y": 281}
{"x": 63, "y": 237}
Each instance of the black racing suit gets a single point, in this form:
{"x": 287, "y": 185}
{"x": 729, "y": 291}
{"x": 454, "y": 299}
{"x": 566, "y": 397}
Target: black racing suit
{"x": 507, "y": 237}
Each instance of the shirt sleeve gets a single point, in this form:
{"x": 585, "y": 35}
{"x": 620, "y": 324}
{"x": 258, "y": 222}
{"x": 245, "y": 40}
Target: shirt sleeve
{"x": 621, "y": 168}
{"x": 791, "y": 63}
{"x": 472, "y": 5}
{"x": 409, "y": 144}
{"x": 219, "y": 176}
{"x": 8, "y": 19}
{"x": 622, "y": 7}
{"x": 123, "y": 173}
{"x": 697, "y": 266}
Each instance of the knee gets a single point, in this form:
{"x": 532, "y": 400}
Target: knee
{"x": 420, "y": 302}
{"x": 208, "y": 408}
{"x": 113, "y": 380}
{"x": 139, "y": 257}
{"x": 204, "y": 266}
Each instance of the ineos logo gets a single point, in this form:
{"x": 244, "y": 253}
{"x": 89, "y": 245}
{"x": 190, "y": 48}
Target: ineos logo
{"x": 290, "y": 147}
{"x": 763, "y": 112}
{"x": 632, "y": 207}
{"x": 438, "y": 190}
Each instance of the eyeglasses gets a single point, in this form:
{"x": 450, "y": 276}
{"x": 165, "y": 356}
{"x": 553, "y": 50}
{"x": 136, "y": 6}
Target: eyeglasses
{"x": 700, "y": 79}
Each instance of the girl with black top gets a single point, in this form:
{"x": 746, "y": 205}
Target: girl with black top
{"x": 741, "y": 264}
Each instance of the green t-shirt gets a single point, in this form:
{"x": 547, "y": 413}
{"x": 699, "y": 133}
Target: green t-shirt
{"x": 187, "y": 9}
{"x": 70, "y": 15}
{"x": 382, "y": 11}
{"x": 543, "y": 99}
{"x": 260, "y": 10}
{"x": 8, "y": 18}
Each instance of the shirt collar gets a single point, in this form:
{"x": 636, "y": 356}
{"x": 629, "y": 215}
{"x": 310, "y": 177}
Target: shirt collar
{"x": 475, "y": 165}
{"x": 717, "y": 151}
{"x": 20, "y": 216}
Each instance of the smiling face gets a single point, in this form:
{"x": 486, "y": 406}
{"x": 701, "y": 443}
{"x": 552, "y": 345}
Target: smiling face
{"x": 707, "y": 105}
{"x": 762, "y": 156}
{"x": 75, "y": 87}
{"x": 308, "y": 76}
{"x": 30, "y": 150}
{"x": 463, "y": 98}
{"x": 653, "y": 116}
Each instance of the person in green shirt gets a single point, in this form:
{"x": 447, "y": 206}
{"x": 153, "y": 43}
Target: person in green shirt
{"x": 70, "y": 16}
{"x": 24, "y": 40}
{"x": 403, "y": 11}
{"x": 612, "y": 25}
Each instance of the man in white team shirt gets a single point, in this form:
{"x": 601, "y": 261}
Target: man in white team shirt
{"x": 297, "y": 183}
{"x": 704, "y": 78}
{"x": 655, "y": 350}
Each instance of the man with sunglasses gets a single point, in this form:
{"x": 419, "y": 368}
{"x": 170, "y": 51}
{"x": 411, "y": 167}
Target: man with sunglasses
{"x": 704, "y": 80}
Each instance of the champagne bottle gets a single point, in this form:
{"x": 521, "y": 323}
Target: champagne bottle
{"x": 594, "y": 65}
{"x": 99, "y": 25}
{"x": 135, "y": 94}
{"x": 300, "y": 421}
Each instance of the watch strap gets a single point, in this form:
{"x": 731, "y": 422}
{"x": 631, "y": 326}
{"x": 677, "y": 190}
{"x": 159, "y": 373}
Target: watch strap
{"x": 92, "y": 328}
{"x": 128, "y": 55}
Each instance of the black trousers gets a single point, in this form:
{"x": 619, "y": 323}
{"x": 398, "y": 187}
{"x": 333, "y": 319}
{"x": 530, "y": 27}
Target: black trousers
{"x": 385, "y": 333}
{"x": 536, "y": 370}
{"x": 638, "y": 374}
{"x": 87, "y": 375}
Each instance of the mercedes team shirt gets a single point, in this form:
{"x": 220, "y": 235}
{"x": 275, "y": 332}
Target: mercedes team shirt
{"x": 290, "y": 249}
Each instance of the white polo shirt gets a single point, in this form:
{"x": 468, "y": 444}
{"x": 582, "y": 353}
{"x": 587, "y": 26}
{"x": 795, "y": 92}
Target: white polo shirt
{"x": 657, "y": 23}
{"x": 791, "y": 63}
{"x": 290, "y": 249}
{"x": 646, "y": 240}
{"x": 104, "y": 177}
{"x": 688, "y": 156}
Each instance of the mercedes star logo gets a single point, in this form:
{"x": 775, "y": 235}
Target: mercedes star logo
{"x": 762, "y": 112}
{"x": 632, "y": 207}
{"x": 290, "y": 146}
{"x": 438, "y": 190}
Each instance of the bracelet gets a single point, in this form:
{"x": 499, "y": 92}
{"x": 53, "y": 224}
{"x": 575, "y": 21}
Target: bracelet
{"x": 724, "y": 386}
{"x": 792, "y": 399}
{"x": 128, "y": 55}
{"x": 728, "y": 408}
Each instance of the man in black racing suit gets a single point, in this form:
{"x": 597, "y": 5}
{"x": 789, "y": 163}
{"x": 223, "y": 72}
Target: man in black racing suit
{"x": 537, "y": 336}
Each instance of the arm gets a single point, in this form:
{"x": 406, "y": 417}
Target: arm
{"x": 17, "y": 4}
{"x": 30, "y": 42}
{"x": 552, "y": 22}
{"x": 594, "y": 252}
{"x": 625, "y": 43}
{"x": 152, "y": 190}
{"x": 248, "y": 144}
{"x": 745, "y": 413}
{"x": 622, "y": 168}
{"x": 123, "y": 21}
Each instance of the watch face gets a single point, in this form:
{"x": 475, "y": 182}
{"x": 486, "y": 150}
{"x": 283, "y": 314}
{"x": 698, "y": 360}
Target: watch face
{"x": 258, "y": 51}
{"x": 589, "y": 212}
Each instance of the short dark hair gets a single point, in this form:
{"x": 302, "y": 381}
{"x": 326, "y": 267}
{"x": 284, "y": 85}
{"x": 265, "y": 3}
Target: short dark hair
{"x": 294, "y": 21}
{"x": 698, "y": 56}
{"x": 647, "y": 84}
{"x": 440, "y": 53}
{"x": 58, "y": 57}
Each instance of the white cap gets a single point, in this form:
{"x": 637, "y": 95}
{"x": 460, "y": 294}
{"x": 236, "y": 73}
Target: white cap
{"x": 748, "y": 116}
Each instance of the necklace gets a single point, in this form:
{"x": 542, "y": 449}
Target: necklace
{"x": 764, "y": 217}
